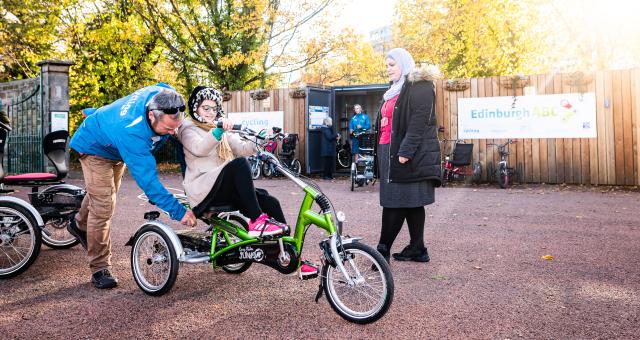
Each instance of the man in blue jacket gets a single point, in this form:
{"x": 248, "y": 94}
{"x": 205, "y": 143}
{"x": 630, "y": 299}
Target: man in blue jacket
{"x": 126, "y": 131}
{"x": 359, "y": 123}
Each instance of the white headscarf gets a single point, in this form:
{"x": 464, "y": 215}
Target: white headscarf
{"x": 404, "y": 60}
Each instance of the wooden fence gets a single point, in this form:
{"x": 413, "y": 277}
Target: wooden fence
{"x": 611, "y": 158}
{"x": 279, "y": 100}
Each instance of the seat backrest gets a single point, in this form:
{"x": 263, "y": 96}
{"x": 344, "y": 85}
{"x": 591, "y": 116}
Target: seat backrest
{"x": 462, "y": 154}
{"x": 55, "y": 147}
{"x": 289, "y": 142}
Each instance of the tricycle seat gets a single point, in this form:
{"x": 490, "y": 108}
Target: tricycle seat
{"x": 208, "y": 211}
{"x": 31, "y": 179}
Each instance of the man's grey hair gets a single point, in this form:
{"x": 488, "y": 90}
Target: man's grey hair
{"x": 327, "y": 121}
{"x": 165, "y": 99}
{"x": 357, "y": 105}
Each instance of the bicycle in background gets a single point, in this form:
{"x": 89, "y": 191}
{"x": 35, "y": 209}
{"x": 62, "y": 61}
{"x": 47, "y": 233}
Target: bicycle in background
{"x": 343, "y": 153}
{"x": 504, "y": 173}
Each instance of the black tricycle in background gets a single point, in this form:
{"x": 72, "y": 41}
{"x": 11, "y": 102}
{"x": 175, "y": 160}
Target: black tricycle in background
{"x": 24, "y": 226}
{"x": 456, "y": 165}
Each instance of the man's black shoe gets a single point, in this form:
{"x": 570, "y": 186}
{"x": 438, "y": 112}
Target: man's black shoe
{"x": 411, "y": 254}
{"x": 73, "y": 229}
{"x": 102, "y": 279}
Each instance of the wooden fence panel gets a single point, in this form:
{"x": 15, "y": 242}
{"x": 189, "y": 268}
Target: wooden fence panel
{"x": 627, "y": 131}
{"x": 593, "y": 143}
{"x": 618, "y": 127}
{"x": 482, "y": 143}
{"x": 601, "y": 130}
{"x": 541, "y": 150}
{"x": 635, "y": 104}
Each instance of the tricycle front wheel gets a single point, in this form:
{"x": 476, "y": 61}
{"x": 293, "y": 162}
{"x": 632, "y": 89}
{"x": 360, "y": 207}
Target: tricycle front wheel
{"x": 371, "y": 294}
{"x": 153, "y": 261}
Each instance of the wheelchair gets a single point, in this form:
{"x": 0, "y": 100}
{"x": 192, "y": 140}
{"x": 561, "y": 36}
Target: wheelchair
{"x": 362, "y": 168}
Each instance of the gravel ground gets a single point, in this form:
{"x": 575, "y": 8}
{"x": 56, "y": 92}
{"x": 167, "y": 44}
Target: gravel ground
{"x": 486, "y": 279}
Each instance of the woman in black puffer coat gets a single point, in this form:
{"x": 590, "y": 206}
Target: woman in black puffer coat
{"x": 408, "y": 154}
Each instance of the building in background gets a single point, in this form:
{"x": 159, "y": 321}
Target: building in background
{"x": 381, "y": 39}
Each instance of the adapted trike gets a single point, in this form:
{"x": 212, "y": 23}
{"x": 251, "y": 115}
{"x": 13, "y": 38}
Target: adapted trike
{"x": 363, "y": 163}
{"x": 24, "y": 226}
{"x": 355, "y": 277}
{"x": 456, "y": 165}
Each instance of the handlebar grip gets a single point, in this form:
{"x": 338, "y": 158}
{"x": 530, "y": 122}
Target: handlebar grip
{"x": 235, "y": 126}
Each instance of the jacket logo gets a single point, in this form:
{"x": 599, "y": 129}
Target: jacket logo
{"x": 125, "y": 108}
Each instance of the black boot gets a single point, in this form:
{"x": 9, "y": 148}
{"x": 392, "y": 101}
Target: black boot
{"x": 412, "y": 254}
{"x": 384, "y": 250}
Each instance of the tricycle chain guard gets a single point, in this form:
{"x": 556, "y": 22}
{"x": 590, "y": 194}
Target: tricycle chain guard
{"x": 264, "y": 253}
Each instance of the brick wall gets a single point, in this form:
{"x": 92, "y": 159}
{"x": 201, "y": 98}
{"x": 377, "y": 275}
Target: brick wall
{"x": 9, "y": 91}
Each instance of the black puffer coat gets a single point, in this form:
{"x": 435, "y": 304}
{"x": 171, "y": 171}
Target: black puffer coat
{"x": 414, "y": 133}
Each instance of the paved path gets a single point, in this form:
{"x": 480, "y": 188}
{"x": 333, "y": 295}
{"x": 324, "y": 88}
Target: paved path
{"x": 486, "y": 278}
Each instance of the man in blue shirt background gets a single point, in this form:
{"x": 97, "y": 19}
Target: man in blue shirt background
{"x": 126, "y": 131}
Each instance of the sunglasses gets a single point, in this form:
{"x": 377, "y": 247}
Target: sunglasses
{"x": 172, "y": 110}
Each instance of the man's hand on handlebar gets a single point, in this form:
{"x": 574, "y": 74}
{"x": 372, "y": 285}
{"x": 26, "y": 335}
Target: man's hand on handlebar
{"x": 189, "y": 219}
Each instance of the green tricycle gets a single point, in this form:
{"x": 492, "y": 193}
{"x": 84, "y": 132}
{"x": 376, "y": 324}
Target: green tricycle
{"x": 354, "y": 276}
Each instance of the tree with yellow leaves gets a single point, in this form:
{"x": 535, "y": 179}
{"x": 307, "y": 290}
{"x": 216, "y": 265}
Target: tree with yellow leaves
{"x": 236, "y": 44}
{"x": 352, "y": 61}
{"x": 469, "y": 38}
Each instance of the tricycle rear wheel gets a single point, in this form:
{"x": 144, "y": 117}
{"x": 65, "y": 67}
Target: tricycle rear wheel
{"x": 237, "y": 268}
{"x": 153, "y": 261}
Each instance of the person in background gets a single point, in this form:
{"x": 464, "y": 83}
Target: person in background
{"x": 328, "y": 147}
{"x": 408, "y": 154}
{"x": 359, "y": 123}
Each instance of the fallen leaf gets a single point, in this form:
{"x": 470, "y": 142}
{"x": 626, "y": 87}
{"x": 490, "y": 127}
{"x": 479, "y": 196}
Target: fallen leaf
{"x": 439, "y": 277}
{"x": 547, "y": 257}
{"x": 477, "y": 267}
{"x": 578, "y": 216}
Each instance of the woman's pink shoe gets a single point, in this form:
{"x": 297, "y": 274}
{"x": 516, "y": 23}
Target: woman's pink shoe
{"x": 307, "y": 271}
{"x": 265, "y": 226}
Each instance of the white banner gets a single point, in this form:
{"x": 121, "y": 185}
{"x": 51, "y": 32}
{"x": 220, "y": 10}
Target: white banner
{"x": 257, "y": 121}
{"x": 568, "y": 115}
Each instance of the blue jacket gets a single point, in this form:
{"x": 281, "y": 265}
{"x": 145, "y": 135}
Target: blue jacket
{"x": 121, "y": 131}
{"x": 327, "y": 142}
{"x": 361, "y": 119}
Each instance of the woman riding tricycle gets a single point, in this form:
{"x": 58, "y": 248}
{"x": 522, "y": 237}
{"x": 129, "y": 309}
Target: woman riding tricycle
{"x": 242, "y": 230}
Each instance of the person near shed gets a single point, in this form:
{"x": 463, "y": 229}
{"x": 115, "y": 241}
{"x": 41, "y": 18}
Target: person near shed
{"x": 328, "y": 147}
{"x": 359, "y": 123}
